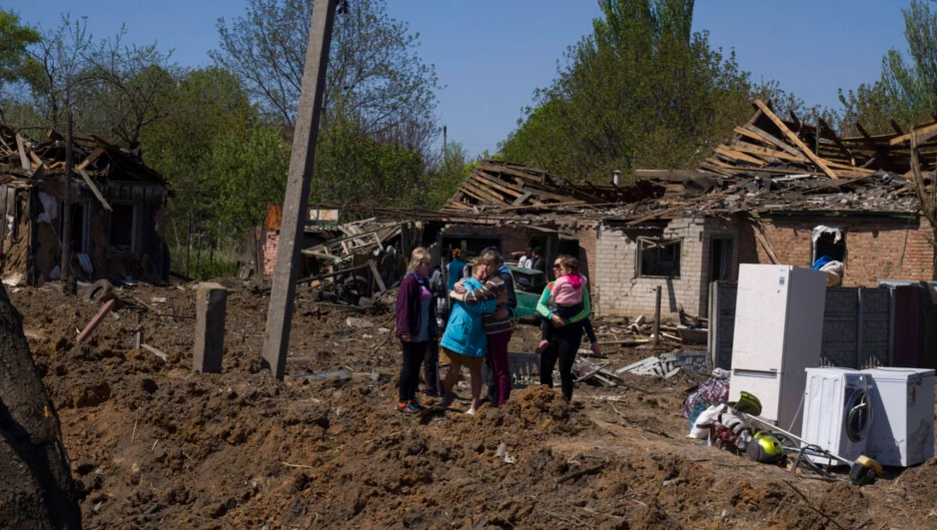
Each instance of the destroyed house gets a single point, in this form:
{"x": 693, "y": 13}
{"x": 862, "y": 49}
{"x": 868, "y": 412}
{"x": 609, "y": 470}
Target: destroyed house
{"x": 116, "y": 214}
{"x": 779, "y": 191}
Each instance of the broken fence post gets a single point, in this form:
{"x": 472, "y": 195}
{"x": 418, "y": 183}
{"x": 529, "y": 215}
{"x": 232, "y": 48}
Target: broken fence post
{"x": 210, "y": 307}
{"x": 95, "y": 321}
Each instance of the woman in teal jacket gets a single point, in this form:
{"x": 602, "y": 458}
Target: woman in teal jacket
{"x": 465, "y": 340}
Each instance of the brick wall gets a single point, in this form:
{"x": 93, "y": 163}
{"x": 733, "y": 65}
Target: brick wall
{"x": 876, "y": 247}
{"x": 617, "y": 290}
{"x": 270, "y": 242}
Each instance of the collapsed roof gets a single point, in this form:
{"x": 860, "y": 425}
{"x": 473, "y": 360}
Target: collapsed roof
{"x": 94, "y": 158}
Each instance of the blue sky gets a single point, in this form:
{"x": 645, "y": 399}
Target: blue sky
{"x": 492, "y": 54}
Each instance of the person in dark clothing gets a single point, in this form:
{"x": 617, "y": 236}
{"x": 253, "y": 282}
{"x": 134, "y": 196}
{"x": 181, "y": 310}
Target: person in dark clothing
{"x": 455, "y": 268}
{"x": 432, "y": 384}
{"x": 416, "y": 326}
{"x": 537, "y": 261}
{"x": 563, "y": 337}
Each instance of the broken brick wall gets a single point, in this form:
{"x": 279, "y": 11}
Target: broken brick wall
{"x": 620, "y": 291}
{"x": 877, "y": 247}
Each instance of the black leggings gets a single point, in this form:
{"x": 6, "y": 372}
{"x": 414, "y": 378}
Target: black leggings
{"x": 413, "y": 353}
{"x": 564, "y": 343}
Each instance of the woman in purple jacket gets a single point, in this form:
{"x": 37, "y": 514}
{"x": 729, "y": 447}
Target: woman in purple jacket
{"x": 416, "y": 326}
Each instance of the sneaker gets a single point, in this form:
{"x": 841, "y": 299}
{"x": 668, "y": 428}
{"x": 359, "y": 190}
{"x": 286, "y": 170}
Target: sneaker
{"x": 407, "y": 408}
{"x": 446, "y": 401}
{"x": 470, "y": 412}
{"x": 542, "y": 347}
{"x": 416, "y": 404}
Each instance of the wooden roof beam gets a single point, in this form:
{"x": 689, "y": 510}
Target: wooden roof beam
{"x": 796, "y": 140}
{"x": 837, "y": 141}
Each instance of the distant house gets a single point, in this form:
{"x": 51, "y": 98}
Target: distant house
{"x": 116, "y": 213}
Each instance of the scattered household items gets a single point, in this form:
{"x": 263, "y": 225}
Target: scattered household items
{"x": 764, "y": 447}
{"x": 902, "y": 433}
{"x": 667, "y": 364}
{"x": 744, "y": 432}
{"x": 834, "y": 270}
{"x": 862, "y": 470}
{"x": 778, "y": 333}
{"x": 714, "y": 391}
{"x": 837, "y": 412}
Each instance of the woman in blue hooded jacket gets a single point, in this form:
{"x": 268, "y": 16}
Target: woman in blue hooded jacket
{"x": 465, "y": 340}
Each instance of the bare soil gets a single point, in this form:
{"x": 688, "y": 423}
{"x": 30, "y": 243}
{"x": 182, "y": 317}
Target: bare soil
{"x": 155, "y": 445}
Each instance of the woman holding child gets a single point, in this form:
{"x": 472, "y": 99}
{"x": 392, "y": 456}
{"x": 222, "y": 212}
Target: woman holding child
{"x": 565, "y": 308}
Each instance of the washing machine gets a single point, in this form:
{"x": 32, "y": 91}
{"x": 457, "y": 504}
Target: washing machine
{"x": 903, "y": 405}
{"x": 837, "y": 412}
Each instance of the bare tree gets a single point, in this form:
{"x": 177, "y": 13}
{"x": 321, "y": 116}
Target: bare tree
{"x": 375, "y": 74}
{"x": 133, "y": 85}
{"x": 57, "y": 67}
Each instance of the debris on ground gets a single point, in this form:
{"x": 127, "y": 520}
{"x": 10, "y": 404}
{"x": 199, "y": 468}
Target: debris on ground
{"x": 154, "y": 445}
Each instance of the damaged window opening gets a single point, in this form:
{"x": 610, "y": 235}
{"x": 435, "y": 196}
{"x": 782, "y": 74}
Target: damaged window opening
{"x": 659, "y": 257}
{"x": 828, "y": 242}
{"x": 123, "y": 227}
{"x": 80, "y": 221}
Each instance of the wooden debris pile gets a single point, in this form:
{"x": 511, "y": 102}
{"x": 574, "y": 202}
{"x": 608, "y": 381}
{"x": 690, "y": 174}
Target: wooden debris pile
{"x": 667, "y": 365}
{"x": 499, "y": 185}
{"x": 356, "y": 238}
{"x": 94, "y": 158}
{"x": 768, "y": 145}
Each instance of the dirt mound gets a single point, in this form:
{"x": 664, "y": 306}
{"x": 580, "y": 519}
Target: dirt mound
{"x": 154, "y": 445}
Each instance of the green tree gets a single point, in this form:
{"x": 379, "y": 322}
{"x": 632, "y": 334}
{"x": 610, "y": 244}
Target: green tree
{"x": 641, "y": 91}
{"x": 353, "y": 169}
{"x": 907, "y": 88}
{"x": 246, "y": 172}
{"x": 444, "y": 180}
{"x": 14, "y": 40}
{"x": 207, "y": 107}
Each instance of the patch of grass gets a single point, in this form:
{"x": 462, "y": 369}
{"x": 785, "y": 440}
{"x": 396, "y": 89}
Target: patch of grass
{"x": 209, "y": 266}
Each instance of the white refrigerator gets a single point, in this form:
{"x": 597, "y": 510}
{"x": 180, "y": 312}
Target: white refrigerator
{"x": 778, "y": 333}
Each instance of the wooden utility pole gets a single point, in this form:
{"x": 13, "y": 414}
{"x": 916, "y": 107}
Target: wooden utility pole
{"x": 296, "y": 202}
{"x": 67, "y": 205}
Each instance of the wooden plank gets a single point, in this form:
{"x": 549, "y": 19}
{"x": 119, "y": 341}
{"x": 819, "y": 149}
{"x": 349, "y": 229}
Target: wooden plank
{"x": 837, "y": 141}
{"x": 21, "y": 146}
{"x": 485, "y": 195}
{"x": 377, "y": 276}
{"x": 770, "y": 139}
{"x": 522, "y": 199}
{"x": 90, "y": 158}
{"x": 765, "y": 152}
{"x": 797, "y": 142}
{"x": 94, "y": 189}
{"x": 731, "y": 153}
{"x": 923, "y": 134}
{"x": 499, "y": 185}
